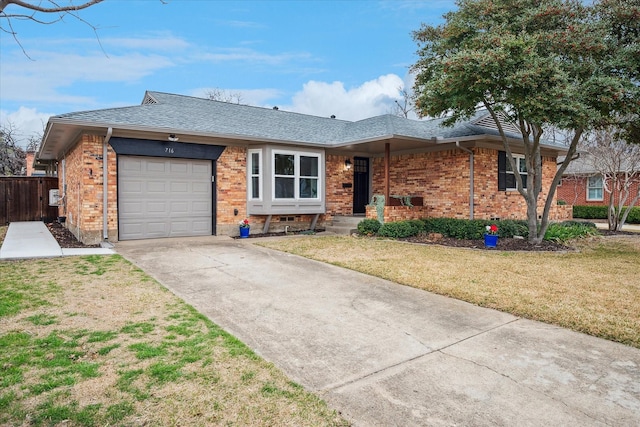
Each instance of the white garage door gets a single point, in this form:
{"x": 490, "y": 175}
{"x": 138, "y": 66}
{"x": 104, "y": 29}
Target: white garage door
{"x": 163, "y": 197}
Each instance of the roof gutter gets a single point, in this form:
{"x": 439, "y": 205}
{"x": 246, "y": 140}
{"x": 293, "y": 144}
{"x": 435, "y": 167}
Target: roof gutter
{"x": 105, "y": 187}
{"x": 471, "y": 206}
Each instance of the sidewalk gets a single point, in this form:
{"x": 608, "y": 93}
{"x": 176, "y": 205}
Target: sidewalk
{"x": 603, "y": 225}
{"x": 32, "y": 239}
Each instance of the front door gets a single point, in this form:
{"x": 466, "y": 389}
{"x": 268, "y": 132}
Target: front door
{"x": 360, "y": 184}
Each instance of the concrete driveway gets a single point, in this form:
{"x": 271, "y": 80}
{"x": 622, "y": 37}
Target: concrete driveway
{"x": 384, "y": 354}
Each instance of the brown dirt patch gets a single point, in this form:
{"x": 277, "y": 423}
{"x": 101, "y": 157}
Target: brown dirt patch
{"x": 65, "y": 238}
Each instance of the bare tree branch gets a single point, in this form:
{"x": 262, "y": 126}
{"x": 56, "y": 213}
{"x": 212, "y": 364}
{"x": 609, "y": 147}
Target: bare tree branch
{"x": 222, "y": 95}
{"x": 55, "y": 9}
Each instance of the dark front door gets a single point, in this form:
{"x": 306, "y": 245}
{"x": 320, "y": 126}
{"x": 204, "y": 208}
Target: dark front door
{"x": 360, "y": 184}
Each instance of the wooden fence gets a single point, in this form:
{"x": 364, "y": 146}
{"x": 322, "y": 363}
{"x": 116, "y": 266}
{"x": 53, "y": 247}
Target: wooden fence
{"x": 26, "y": 198}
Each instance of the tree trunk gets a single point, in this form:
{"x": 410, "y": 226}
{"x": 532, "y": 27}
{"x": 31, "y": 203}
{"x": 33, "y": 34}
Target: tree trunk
{"x": 532, "y": 222}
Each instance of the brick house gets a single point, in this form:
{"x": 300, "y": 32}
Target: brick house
{"x": 583, "y": 185}
{"x": 182, "y": 166}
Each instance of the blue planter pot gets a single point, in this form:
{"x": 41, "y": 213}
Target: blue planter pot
{"x": 490, "y": 240}
{"x": 244, "y": 232}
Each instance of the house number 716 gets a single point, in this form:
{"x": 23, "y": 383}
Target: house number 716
{"x": 168, "y": 150}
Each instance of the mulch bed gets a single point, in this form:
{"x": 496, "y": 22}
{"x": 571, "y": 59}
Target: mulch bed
{"x": 504, "y": 244}
{"x": 65, "y": 238}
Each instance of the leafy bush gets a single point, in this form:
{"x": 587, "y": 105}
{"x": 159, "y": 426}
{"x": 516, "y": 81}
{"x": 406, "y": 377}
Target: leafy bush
{"x": 512, "y": 227}
{"x": 475, "y": 228}
{"x": 456, "y": 228}
{"x": 561, "y": 232}
{"x": 600, "y": 212}
{"x": 634, "y": 216}
{"x": 590, "y": 212}
{"x": 369, "y": 226}
{"x": 401, "y": 229}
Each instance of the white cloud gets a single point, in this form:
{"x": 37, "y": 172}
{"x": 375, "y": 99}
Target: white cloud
{"x": 25, "y": 122}
{"x": 372, "y": 98}
{"x": 252, "y": 56}
{"x": 45, "y": 77}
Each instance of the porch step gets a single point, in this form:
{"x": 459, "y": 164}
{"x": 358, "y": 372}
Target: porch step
{"x": 344, "y": 225}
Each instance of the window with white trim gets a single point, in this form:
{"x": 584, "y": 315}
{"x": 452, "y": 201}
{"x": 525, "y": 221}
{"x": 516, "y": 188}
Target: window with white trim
{"x": 296, "y": 175}
{"x": 595, "y": 188}
{"x": 255, "y": 174}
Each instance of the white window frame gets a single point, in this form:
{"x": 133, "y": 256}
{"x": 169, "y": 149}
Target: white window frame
{"x": 590, "y": 187}
{"x": 251, "y": 175}
{"x": 296, "y": 175}
{"x": 520, "y": 161}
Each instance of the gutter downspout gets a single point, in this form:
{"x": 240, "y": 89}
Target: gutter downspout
{"x": 470, "y": 177}
{"x": 105, "y": 192}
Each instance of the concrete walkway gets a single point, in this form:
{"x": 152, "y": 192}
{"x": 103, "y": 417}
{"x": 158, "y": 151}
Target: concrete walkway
{"x": 32, "y": 239}
{"x": 389, "y": 355}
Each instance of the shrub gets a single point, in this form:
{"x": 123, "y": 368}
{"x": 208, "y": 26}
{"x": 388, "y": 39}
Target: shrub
{"x": 600, "y": 212}
{"x": 369, "y": 226}
{"x": 475, "y": 228}
{"x": 590, "y": 212}
{"x": 511, "y": 227}
{"x": 561, "y": 232}
{"x": 401, "y": 229}
{"x": 634, "y": 215}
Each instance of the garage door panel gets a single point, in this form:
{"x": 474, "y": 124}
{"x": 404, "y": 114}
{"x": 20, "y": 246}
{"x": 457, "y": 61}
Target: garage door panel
{"x": 200, "y": 208}
{"x": 156, "y": 207}
{"x": 133, "y": 187}
{"x": 132, "y": 165}
{"x": 156, "y": 228}
{"x": 163, "y": 197}
{"x": 179, "y": 187}
{"x": 200, "y": 226}
{"x": 200, "y": 169}
{"x": 200, "y": 187}
{"x": 180, "y": 208}
{"x": 156, "y": 187}
{"x": 155, "y": 166}
{"x": 180, "y": 228}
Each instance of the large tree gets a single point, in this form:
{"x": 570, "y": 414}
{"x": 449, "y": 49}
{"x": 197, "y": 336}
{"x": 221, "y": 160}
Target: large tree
{"x": 537, "y": 64}
{"x": 12, "y": 156}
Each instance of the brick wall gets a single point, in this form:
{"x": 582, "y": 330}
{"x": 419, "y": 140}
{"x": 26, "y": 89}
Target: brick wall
{"x": 29, "y": 161}
{"x": 339, "y": 200}
{"x": 232, "y": 194}
{"x": 442, "y": 179}
{"x": 573, "y": 191}
{"x": 82, "y": 204}
{"x": 399, "y": 213}
{"x": 83, "y": 194}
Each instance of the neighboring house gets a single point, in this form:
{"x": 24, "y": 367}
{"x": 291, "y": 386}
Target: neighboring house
{"x": 183, "y": 166}
{"x": 33, "y": 169}
{"x": 583, "y": 185}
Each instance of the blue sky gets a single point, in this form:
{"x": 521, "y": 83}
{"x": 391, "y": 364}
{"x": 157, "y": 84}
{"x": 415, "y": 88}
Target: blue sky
{"x": 346, "y": 58}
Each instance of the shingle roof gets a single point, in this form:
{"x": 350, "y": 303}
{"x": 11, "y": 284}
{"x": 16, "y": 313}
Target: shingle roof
{"x": 190, "y": 114}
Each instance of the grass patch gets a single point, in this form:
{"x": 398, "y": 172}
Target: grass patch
{"x": 107, "y": 345}
{"x": 594, "y": 290}
{"x": 42, "y": 319}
